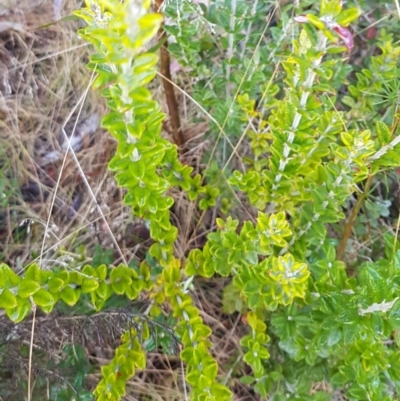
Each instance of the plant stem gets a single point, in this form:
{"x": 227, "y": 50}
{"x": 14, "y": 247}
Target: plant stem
{"x": 230, "y": 48}
{"x": 349, "y": 225}
{"x": 172, "y": 104}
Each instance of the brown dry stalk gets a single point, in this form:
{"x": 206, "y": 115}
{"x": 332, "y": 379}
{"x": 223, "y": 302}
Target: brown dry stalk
{"x": 349, "y": 224}
{"x": 172, "y": 104}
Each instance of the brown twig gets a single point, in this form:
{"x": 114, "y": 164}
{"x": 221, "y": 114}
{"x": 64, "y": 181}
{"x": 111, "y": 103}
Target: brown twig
{"x": 349, "y": 224}
{"x": 172, "y": 104}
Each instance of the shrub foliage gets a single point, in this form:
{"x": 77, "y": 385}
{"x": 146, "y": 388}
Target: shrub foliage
{"x": 311, "y": 319}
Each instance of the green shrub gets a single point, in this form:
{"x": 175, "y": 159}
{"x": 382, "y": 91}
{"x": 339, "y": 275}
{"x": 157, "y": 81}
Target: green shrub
{"x": 310, "y": 318}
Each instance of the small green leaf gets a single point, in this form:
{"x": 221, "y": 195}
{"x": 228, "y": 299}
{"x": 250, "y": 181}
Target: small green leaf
{"x": 171, "y": 274}
{"x": 2, "y": 276}
{"x": 383, "y": 132}
{"x": 55, "y": 284}
{"x": 144, "y": 62}
{"x": 43, "y": 298}
{"x": 332, "y": 8}
{"x": 348, "y": 16}
{"x": 33, "y": 272}
{"x": 89, "y": 271}
{"x": 220, "y": 392}
{"x": 315, "y": 21}
{"x": 27, "y": 288}
{"x": 132, "y": 291}
{"x": 89, "y": 285}
{"x": 193, "y": 377}
{"x": 138, "y": 356}
{"x": 102, "y": 272}
{"x": 248, "y": 380}
{"x": 70, "y": 296}
{"x": 75, "y": 277}
{"x": 12, "y": 279}
{"x": 119, "y": 287}
{"x": 394, "y": 315}
{"x": 150, "y": 23}
{"x": 7, "y": 299}
{"x": 103, "y": 291}
{"x": 47, "y": 308}
{"x": 20, "y": 311}
{"x": 86, "y": 14}
{"x": 356, "y": 392}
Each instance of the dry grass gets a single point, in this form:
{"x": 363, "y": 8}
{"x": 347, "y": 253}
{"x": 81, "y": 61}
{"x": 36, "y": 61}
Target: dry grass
{"x": 44, "y": 81}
